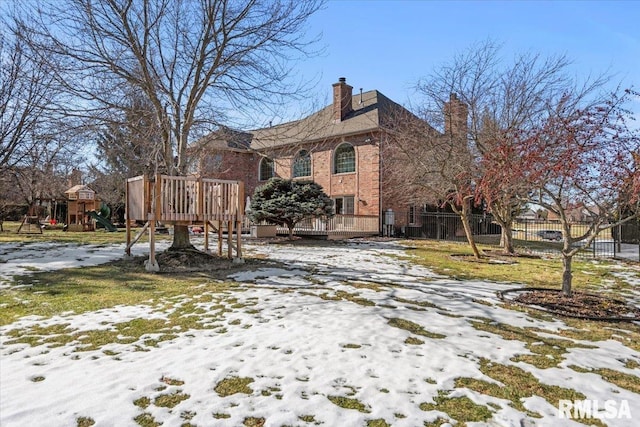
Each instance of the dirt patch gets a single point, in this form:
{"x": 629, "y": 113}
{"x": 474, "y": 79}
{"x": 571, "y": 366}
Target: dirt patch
{"x": 194, "y": 261}
{"x": 579, "y": 304}
{"x": 498, "y": 253}
{"x": 191, "y": 260}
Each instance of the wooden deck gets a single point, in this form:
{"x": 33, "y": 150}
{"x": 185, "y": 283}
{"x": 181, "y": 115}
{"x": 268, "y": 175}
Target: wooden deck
{"x": 337, "y": 227}
{"x": 186, "y": 200}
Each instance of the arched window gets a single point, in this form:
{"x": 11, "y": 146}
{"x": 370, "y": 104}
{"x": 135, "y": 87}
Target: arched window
{"x": 344, "y": 159}
{"x": 266, "y": 169}
{"x": 302, "y": 164}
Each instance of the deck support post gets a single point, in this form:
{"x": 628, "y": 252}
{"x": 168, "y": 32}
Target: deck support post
{"x": 151, "y": 264}
{"x": 230, "y": 239}
{"x": 206, "y": 236}
{"x": 239, "y": 239}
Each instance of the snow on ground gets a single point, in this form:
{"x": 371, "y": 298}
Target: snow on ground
{"x": 295, "y": 334}
{"x": 21, "y": 258}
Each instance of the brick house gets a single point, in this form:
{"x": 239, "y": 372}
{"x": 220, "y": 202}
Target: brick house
{"x": 342, "y": 147}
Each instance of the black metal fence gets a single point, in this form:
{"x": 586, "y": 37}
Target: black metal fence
{"x": 447, "y": 226}
{"x": 539, "y": 236}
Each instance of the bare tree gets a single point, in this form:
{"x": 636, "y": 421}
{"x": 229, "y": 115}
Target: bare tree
{"x": 196, "y": 62}
{"x": 27, "y": 95}
{"x": 501, "y": 98}
{"x": 37, "y": 141}
{"x": 431, "y": 166}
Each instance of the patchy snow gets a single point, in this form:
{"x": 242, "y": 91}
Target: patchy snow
{"x": 295, "y": 332}
{"x": 22, "y": 258}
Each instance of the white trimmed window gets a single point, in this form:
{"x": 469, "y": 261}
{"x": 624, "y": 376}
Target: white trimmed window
{"x": 344, "y": 205}
{"x": 302, "y": 164}
{"x": 344, "y": 159}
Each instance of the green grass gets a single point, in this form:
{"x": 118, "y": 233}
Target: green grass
{"x": 461, "y": 409}
{"x": 515, "y": 384}
{"x": 97, "y": 237}
{"x": 87, "y": 289}
{"x": 349, "y": 403}
{"x": 170, "y": 400}
{"x": 180, "y": 296}
{"x": 146, "y": 420}
{"x": 621, "y": 379}
{"x": 233, "y": 385}
{"x": 84, "y": 422}
{"x": 547, "y": 352}
{"x": 532, "y": 271}
{"x": 414, "y": 328}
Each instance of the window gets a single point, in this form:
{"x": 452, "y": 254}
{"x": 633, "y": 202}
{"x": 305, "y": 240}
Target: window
{"x": 344, "y": 205}
{"x": 302, "y": 164}
{"x": 267, "y": 170}
{"x": 344, "y": 159}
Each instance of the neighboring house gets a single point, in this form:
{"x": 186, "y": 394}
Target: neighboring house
{"x": 579, "y": 213}
{"x": 341, "y": 147}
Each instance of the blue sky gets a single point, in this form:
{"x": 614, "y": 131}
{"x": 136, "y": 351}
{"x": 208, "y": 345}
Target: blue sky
{"x": 389, "y": 45}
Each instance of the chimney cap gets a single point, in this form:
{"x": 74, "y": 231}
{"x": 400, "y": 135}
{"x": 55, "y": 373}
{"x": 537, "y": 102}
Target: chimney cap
{"x": 342, "y": 80}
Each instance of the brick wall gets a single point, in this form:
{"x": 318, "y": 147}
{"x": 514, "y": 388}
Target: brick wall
{"x": 363, "y": 184}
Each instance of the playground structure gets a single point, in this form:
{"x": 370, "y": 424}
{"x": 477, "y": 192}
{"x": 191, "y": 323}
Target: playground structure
{"x": 42, "y": 214}
{"x": 80, "y": 201}
{"x": 192, "y": 201}
{"x": 30, "y": 225}
{"x": 82, "y": 207}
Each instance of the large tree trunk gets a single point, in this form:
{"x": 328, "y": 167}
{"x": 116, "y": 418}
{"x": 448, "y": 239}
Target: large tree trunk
{"x": 181, "y": 238}
{"x": 567, "y": 276}
{"x": 290, "y": 231}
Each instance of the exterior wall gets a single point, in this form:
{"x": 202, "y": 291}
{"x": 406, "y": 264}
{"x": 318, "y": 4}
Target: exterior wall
{"x": 363, "y": 184}
{"x": 232, "y": 165}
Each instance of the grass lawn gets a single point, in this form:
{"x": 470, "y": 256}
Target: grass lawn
{"x": 56, "y": 234}
{"x": 503, "y": 359}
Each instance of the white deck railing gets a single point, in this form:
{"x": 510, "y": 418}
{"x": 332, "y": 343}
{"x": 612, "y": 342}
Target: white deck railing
{"x": 337, "y": 225}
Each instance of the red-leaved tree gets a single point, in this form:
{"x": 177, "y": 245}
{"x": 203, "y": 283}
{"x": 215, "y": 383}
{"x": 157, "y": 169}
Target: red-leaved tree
{"x": 579, "y": 157}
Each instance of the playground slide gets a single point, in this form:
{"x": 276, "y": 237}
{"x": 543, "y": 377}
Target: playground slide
{"x": 101, "y": 220}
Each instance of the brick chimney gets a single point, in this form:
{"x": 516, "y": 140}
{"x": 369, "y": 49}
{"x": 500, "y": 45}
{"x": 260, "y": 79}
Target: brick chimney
{"x": 455, "y": 117}
{"x": 342, "y": 93}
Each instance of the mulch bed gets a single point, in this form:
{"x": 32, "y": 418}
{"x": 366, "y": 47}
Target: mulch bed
{"x": 580, "y": 305}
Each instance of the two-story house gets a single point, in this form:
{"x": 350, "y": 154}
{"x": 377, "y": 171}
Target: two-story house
{"x": 342, "y": 147}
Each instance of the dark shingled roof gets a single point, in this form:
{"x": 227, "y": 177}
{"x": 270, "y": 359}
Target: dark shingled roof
{"x": 370, "y": 112}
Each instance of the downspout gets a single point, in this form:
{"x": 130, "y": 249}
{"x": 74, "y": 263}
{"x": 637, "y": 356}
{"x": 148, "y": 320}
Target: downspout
{"x": 356, "y": 202}
{"x": 380, "y": 211}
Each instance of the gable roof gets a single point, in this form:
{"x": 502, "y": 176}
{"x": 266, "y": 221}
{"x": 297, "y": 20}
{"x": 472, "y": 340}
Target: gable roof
{"x": 371, "y": 111}
{"x": 77, "y": 188}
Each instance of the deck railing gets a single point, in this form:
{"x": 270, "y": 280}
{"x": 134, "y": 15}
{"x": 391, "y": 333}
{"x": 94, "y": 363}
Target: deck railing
{"x": 185, "y": 199}
{"x": 348, "y": 225}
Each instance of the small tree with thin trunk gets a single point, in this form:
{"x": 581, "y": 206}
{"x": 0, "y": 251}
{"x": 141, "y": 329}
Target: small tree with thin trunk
{"x": 581, "y": 157}
{"x": 287, "y": 202}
